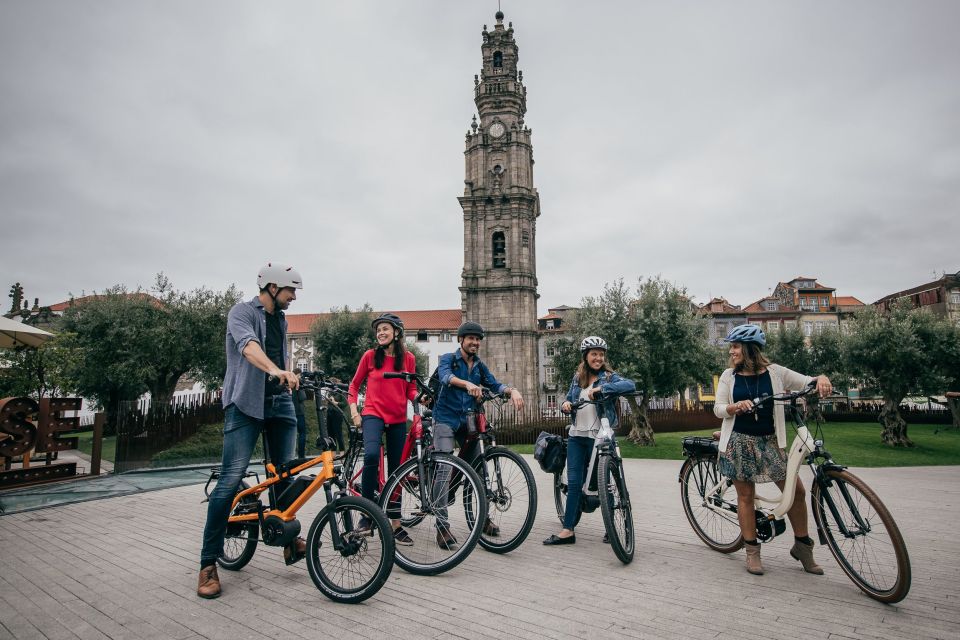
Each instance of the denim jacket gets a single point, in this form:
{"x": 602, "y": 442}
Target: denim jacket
{"x": 610, "y": 383}
{"x": 453, "y": 404}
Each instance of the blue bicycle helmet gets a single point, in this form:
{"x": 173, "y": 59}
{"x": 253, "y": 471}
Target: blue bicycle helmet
{"x": 747, "y": 333}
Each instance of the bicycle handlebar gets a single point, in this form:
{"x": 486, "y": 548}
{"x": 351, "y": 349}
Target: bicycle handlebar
{"x": 783, "y": 397}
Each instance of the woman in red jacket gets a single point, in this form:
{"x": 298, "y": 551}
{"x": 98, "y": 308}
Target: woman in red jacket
{"x": 384, "y": 408}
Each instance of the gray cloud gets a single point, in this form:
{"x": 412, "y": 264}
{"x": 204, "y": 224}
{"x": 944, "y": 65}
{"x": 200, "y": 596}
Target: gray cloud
{"x": 725, "y": 146}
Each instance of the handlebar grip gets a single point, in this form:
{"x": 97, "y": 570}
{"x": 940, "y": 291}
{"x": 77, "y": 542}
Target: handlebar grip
{"x": 393, "y": 374}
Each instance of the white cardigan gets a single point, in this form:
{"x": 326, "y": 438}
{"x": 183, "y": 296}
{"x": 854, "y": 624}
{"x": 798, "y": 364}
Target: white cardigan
{"x": 783, "y": 380}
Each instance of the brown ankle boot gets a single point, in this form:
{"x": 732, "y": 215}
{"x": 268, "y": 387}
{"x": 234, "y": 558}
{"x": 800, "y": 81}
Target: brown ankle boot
{"x": 209, "y": 585}
{"x": 753, "y": 559}
{"x": 804, "y": 553}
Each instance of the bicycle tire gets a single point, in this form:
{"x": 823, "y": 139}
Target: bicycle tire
{"x": 560, "y": 497}
{"x": 615, "y": 508}
{"x": 426, "y": 556}
{"x": 719, "y": 530}
{"x": 870, "y": 567}
{"x": 511, "y": 498}
{"x": 240, "y": 540}
{"x": 366, "y": 559}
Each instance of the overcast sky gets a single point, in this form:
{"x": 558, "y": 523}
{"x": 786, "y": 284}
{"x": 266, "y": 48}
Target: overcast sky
{"x": 724, "y": 145}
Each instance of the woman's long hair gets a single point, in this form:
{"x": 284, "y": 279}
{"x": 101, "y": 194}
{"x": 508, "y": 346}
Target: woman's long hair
{"x": 584, "y": 371}
{"x": 753, "y": 359}
{"x": 399, "y": 352}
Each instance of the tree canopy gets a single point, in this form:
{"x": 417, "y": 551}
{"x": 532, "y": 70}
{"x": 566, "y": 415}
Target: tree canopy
{"x": 655, "y": 338}
{"x": 901, "y": 352}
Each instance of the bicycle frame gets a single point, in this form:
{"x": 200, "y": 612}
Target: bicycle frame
{"x": 803, "y": 447}
{"x": 601, "y": 446}
{"x": 326, "y": 478}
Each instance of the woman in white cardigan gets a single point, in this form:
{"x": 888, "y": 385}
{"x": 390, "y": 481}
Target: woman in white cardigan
{"x": 752, "y": 443}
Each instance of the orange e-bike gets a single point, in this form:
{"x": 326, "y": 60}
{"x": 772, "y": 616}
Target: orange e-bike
{"x": 350, "y": 546}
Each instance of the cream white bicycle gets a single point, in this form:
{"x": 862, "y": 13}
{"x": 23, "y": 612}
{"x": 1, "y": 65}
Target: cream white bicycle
{"x": 851, "y": 520}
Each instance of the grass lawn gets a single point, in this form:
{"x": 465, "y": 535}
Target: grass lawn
{"x": 85, "y": 445}
{"x": 855, "y": 444}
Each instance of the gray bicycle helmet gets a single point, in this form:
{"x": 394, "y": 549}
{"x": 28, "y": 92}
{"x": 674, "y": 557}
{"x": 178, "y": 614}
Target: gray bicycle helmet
{"x": 279, "y": 274}
{"x": 391, "y": 319}
{"x": 470, "y": 329}
{"x": 593, "y": 342}
{"x": 747, "y": 333}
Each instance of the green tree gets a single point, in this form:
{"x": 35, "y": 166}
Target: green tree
{"x": 340, "y": 339}
{"x": 788, "y": 348}
{"x": 822, "y": 354}
{"x": 36, "y": 372}
{"x": 655, "y": 338}
{"x": 126, "y": 343}
{"x": 423, "y": 359}
{"x": 901, "y": 352}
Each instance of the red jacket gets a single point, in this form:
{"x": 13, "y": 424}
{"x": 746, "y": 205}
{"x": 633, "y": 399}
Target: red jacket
{"x": 386, "y": 399}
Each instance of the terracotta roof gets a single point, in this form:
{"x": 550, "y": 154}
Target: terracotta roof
{"x": 436, "y": 320}
{"x": 60, "y": 307}
{"x": 849, "y": 301}
{"x": 550, "y": 316}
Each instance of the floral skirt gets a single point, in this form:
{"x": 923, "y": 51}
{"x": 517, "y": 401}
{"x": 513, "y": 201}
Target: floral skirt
{"x": 753, "y": 459}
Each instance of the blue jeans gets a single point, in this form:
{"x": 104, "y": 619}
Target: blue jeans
{"x": 579, "y": 450}
{"x": 373, "y": 428}
{"x": 240, "y": 435}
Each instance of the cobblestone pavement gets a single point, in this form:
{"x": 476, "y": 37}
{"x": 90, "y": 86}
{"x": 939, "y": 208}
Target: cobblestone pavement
{"x": 126, "y": 568}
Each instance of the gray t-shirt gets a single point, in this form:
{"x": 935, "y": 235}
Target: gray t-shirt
{"x": 588, "y": 422}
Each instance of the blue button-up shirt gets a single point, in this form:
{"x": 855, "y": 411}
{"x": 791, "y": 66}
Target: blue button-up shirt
{"x": 453, "y": 404}
{"x": 244, "y": 384}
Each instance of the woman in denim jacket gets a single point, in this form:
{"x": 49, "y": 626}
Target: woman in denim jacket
{"x": 593, "y": 376}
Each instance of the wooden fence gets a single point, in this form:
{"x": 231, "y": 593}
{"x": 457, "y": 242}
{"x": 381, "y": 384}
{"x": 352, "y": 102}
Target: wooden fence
{"x": 524, "y": 427}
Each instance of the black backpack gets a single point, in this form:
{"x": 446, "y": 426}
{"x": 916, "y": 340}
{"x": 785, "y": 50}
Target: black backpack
{"x": 551, "y": 452}
{"x": 434, "y": 385}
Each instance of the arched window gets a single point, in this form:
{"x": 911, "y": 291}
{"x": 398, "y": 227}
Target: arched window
{"x": 497, "y": 59}
{"x": 499, "y": 250}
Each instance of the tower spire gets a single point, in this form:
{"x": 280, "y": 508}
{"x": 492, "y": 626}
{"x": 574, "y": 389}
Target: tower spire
{"x": 500, "y": 209}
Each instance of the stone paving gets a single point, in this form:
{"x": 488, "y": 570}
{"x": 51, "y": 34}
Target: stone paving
{"x": 126, "y": 568}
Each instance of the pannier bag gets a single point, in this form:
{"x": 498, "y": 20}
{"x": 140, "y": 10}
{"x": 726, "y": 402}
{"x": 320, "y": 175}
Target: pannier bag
{"x": 551, "y": 452}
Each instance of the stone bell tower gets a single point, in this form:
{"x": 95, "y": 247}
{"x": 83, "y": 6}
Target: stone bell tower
{"x": 500, "y": 210}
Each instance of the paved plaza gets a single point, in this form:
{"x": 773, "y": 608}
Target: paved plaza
{"x": 126, "y": 568}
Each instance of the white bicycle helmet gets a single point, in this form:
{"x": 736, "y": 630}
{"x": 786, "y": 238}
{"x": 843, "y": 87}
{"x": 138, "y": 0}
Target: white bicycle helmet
{"x": 281, "y": 275}
{"x": 593, "y": 342}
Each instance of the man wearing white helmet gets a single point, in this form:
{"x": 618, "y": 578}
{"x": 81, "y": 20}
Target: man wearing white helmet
{"x": 256, "y": 348}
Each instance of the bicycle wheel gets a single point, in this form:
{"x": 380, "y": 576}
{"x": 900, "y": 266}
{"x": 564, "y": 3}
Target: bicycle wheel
{"x": 615, "y": 508}
{"x": 240, "y": 540}
{"x": 446, "y": 529}
{"x": 560, "y": 496}
{"x": 359, "y": 568}
{"x": 716, "y": 524}
{"x": 862, "y": 536}
{"x": 511, "y": 498}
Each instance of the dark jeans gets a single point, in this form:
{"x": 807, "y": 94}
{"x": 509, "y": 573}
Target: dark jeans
{"x": 578, "y": 457}
{"x": 301, "y": 435}
{"x": 373, "y": 430}
{"x": 335, "y": 427}
{"x": 240, "y": 434}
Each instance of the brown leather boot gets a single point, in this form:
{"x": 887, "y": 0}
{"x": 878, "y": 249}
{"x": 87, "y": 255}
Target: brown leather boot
{"x": 295, "y": 551}
{"x": 753, "y": 559}
{"x": 804, "y": 553}
{"x": 209, "y": 585}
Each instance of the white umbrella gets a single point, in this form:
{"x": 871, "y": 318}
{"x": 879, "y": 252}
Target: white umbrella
{"x": 17, "y": 334}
